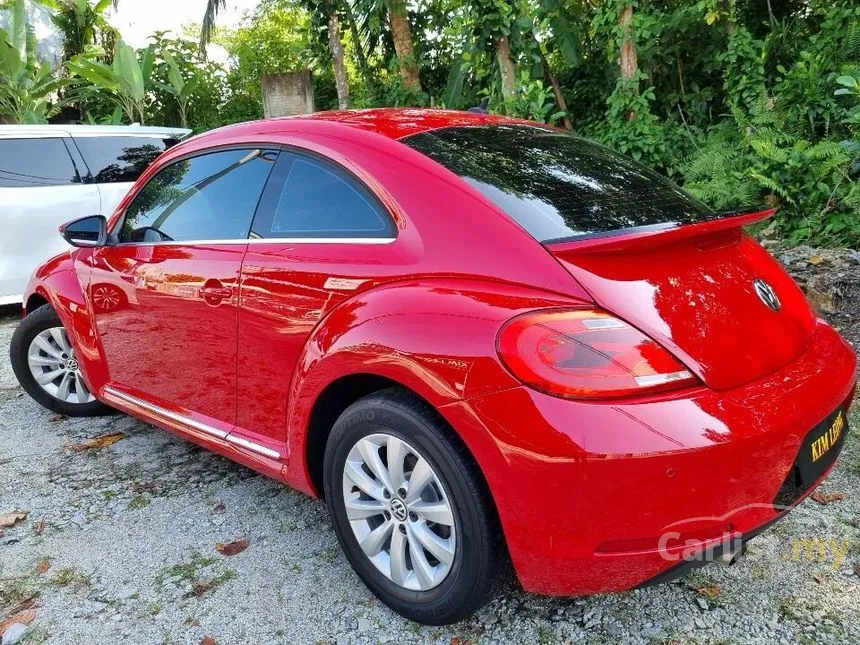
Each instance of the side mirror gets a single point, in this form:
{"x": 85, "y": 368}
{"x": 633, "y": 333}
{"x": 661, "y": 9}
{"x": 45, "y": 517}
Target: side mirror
{"x": 86, "y": 232}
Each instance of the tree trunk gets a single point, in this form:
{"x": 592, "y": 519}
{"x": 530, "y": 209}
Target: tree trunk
{"x": 556, "y": 88}
{"x": 506, "y": 68}
{"x": 731, "y": 25}
{"x": 401, "y": 32}
{"x": 628, "y": 62}
{"x": 341, "y": 80}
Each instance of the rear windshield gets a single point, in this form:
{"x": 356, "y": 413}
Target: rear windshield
{"x": 557, "y": 186}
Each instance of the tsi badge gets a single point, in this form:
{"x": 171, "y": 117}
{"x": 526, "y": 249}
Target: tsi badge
{"x": 767, "y": 294}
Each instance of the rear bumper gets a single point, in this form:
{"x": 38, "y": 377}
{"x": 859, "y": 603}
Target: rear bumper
{"x": 602, "y": 497}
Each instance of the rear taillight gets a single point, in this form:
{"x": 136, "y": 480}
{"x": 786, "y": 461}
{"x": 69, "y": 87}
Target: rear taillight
{"x": 587, "y": 353}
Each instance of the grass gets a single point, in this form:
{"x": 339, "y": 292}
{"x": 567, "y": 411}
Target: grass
{"x": 326, "y": 555}
{"x": 139, "y": 501}
{"x": 221, "y": 578}
{"x": 786, "y": 608}
{"x": 16, "y": 590}
{"x": 64, "y": 576}
{"x": 185, "y": 571}
{"x": 190, "y": 572}
{"x": 546, "y": 635}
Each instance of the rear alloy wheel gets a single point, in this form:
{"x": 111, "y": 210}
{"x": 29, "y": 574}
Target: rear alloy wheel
{"x": 44, "y": 361}
{"x": 411, "y": 510}
{"x": 399, "y": 512}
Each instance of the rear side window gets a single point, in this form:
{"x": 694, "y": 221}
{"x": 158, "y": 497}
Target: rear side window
{"x": 557, "y": 186}
{"x": 208, "y": 197}
{"x": 120, "y": 159}
{"x": 36, "y": 162}
{"x": 310, "y": 197}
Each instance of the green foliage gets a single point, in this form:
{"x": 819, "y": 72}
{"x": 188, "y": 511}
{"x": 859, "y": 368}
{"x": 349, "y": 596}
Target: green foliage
{"x": 850, "y": 87}
{"x": 533, "y": 101}
{"x": 743, "y": 69}
{"x": 125, "y": 81}
{"x": 630, "y": 126}
{"x": 763, "y": 158}
{"x": 278, "y": 37}
{"x": 27, "y": 88}
{"x": 82, "y": 24}
{"x": 178, "y": 87}
{"x": 184, "y": 89}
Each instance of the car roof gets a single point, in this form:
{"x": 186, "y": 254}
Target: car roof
{"x": 394, "y": 123}
{"x": 397, "y": 123}
{"x": 92, "y": 130}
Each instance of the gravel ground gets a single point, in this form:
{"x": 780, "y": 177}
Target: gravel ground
{"x": 119, "y": 545}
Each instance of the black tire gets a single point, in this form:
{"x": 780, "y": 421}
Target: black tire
{"x": 36, "y": 322}
{"x": 480, "y": 552}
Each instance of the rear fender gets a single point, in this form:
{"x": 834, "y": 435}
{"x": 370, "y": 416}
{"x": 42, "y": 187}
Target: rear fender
{"x": 436, "y": 338}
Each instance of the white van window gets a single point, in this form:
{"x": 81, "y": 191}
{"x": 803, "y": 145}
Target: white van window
{"x": 35, "y": 162}
{"x": 120, "y": 159}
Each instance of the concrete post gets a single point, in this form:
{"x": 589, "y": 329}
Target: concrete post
{"x": 288, "y": 94}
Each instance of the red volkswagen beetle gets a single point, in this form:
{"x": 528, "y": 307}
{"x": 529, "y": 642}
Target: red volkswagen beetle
{"x": 478, "y": 338}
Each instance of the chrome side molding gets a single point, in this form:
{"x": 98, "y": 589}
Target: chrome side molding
{"x": 254, "y": 447}
{"x": 194, "y": 424}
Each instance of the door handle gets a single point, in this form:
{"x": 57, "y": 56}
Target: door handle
{"x": 216, "y": 292}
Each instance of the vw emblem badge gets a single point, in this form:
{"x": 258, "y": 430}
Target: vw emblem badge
{"x": 398, "y": 509}
{"x": 767, "y": 295}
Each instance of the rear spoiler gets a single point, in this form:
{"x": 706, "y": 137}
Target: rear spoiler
{"x": 657, "y": 234}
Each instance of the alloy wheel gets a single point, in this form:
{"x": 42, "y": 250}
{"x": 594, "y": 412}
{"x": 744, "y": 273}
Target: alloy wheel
{"x": 399, "y": 512}
{"x": 52, "y": 362}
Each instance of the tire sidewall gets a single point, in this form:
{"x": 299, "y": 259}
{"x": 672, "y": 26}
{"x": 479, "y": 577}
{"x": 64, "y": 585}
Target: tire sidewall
{"x": 463, "y": 580}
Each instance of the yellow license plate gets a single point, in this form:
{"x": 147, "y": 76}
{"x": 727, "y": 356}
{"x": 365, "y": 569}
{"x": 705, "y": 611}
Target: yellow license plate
{"x": 828, "y": 439}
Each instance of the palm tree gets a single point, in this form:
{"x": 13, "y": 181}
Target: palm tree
{"x": 82, "y": 24}
{"x": 370, "y": 16}
{"x": 207, "y": 29}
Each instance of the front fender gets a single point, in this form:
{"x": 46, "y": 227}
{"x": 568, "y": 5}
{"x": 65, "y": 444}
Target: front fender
{"x": 435, "y": 337}
{"x": 58, "y": 281}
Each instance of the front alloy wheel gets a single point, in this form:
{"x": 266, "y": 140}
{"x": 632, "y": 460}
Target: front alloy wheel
{"x": 410, "y": 508}
{"x": 44, "y": 361}
{"x": 52, "y": 362}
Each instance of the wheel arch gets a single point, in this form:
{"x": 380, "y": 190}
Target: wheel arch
{"x": 336, "y": 397}
{"x": 34, "y": 301}
{"x": 342, "y": 393}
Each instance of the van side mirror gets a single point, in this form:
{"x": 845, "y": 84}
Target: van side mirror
{"x": 86, "y": 232}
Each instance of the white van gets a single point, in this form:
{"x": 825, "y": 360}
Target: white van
{"x": 51, "y": 174}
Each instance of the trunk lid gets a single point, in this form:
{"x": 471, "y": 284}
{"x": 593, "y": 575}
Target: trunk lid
{"x": 693, "y": 289}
